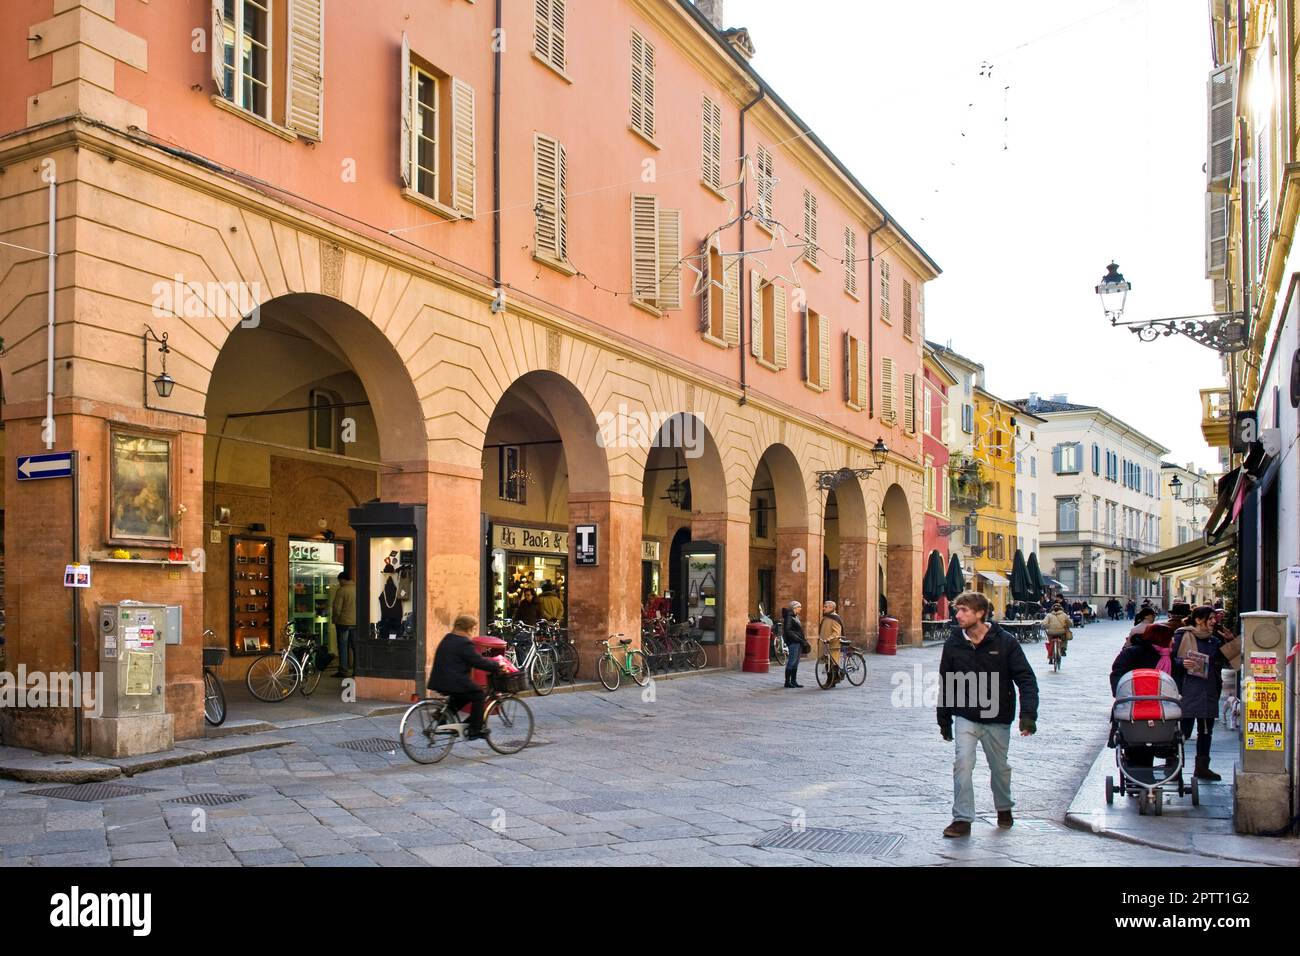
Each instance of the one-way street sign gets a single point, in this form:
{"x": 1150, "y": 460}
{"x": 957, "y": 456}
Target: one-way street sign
{"x": 57, "y": 465}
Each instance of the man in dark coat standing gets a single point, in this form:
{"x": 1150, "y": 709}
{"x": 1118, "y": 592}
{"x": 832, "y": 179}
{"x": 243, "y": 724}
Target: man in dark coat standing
{"x": 981, "y": 669}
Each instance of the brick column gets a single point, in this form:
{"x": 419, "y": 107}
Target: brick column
{"x": 733, "y": 534}
{"x": 858, "y": 603}
{"x": 903, "y": 570}
{"x": 605, "y": 599}
{"x": 804, "y": 586}
{"x": 453, "y": 554}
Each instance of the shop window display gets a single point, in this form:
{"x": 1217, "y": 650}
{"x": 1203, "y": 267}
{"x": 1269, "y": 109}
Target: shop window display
{"x": 251, "y": 607}
{"x": 391, "y": 607}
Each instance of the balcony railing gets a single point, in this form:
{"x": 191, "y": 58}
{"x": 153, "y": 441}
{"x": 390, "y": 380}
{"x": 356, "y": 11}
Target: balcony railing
{"x": 1215, "y": 424}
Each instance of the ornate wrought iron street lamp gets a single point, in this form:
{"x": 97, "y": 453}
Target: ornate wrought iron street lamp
{"x": 827, "y": 480}
{"x": 1221, "y": 331}
{"x": 163, "y": 383}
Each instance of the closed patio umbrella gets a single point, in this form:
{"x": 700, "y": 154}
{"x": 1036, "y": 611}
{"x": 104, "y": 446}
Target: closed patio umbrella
{"x": 1020, "y": 589}
{"x": 955, "y": 582}
{"x": 1036, "y": 583}
{"x": 932, "y": 584}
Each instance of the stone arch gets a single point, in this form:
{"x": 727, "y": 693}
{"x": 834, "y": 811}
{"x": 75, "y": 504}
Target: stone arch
{"x": 848, "y": 547}
{"x": 901, "y": 561}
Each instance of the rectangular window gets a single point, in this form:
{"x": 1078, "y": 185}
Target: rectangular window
{"x": 720, "y": 304}
{"x": 967, "y": 419}
{"x": 424, "y": 132}
{"x": 246, "y": 55}
{"x": 927, "y": 411}
{"x": 809, "y": 227}
{"x": 817, "y": 349}
{"x": 643, "y": 86}
{"x": 1033, "y": 466}
{"x": 1020, "y": 501}
{"x": 1033, "y": 504}
{"x": 548, "y": 32}
{"x": 1067, "y": 514}
{"x": 760, "y": 518}
{"x": 1096, "y": 514}
{"x": 907, "y": 309}
{"x": 656, "y": 254}
{"x": 1020, "y": 463}
{"x": 1096, "y": 459}
{"x": 323, "y": 416}
{"x": 1065, "y": 458}
{"x": 884, "y": 299}
{"x": 550, "y": 184}
{"x": 1020, "y": 543}
{"x": 711, "y": 144}
{"x": 512, "y": 479}
{"x": 850, "y": 262}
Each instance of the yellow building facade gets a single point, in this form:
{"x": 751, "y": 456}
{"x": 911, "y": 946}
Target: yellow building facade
{"x": 995, "y": 542}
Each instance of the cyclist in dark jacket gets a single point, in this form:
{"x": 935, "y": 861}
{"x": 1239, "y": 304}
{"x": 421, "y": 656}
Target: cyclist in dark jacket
{"x": 977, "y": 703}
{"x": 455, "y": 658}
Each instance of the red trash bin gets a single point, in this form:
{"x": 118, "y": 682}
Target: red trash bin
{"x": 758, "y": 639}
{"x": 488, "y": 646}
{"x": 888, "y": 642}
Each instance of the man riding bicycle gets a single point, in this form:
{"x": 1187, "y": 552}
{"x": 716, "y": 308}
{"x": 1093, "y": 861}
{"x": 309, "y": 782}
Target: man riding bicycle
{"x": 1057, "y": 624}
{"x": 455, "y": 658}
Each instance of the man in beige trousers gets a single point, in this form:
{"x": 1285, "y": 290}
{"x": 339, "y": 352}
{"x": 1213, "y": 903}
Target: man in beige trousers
{"x": 830, "y": 631}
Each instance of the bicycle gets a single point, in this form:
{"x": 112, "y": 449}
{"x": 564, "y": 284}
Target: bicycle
{"x": 539, "y": 662}
{"x": 274, "y": 676}
{"x": 852, "y": 666}
{"x": 778, "y": 651}
{"x": 566, "y": 654}
{"x": 1054, "y": 655}
{"x": 214, "y": 696}
{"x": 429, "y": 727}
{"x": 634, "y": 665}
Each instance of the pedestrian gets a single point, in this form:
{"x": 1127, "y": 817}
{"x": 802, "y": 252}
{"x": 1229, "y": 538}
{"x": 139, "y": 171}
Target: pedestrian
{"x": 1057, "y": 625}
{"x": 343, "y": 613}
{"x": 795, "y": 642}
{"x": 1130, "y": 609}
{"x": 529, "y": 611}
{"x": 550, "y": 604}
{"x": 1178, "y": 614}
{"x": 985, "y": 659}
{"x": 1200, "y": 649}
{"x": 832, "y": 628}
{"x": 1152, "y": 649}
{"x": 1145, "y": 617}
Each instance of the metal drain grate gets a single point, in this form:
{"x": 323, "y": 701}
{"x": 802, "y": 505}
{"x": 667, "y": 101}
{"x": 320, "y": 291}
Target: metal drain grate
{"x": 91, "y": 792}
{"x": 209, "y": 799}
{"x": 824, "y": 840}
{"x": 371, "y": 745}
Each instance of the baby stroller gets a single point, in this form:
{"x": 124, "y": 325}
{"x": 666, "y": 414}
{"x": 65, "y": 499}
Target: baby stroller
{"x": 1145, "y": 726}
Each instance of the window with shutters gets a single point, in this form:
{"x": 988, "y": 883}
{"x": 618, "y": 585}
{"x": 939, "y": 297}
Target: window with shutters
{"x": 548, "y": 34}
{"x": 550, "y": 189}
{"x": 769, "y": 322}
{"x": 438, "y": 163}
{"x": 907, "y": 309}
{"x": 1216, "y": 237}
{"x": 643, "y": 87}
{"x": 967, "y": 419}
{"x": 711, "y": 144}
{"x": 720, "y": 303}
{"x": 855, "y": 372}
{"x": 1067, "y": 514}
{"x": 888, "y": 411}
{"x": 850, "y": 262}
{"x": 810, "y": 228}
{"x": 1221, "y": 98}
{"x": 766, "y": 185}
{"x": 1033, "y": 505}
{"x": 656, "y": 255}
{"x": 1263, "y": 194}
{"x": 245, "y": 32}
{"x": 1065, "y": 458}
{"x": 927, "y": 409}
{"x": 909, "y": 402}
{"x": 816, "y": 350}
{"x": 1096, "y": 459}
{"x": 884, "y": 293}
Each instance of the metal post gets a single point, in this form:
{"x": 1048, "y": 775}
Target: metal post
{"x": 77, "y": 743}
{"x": 49, "y": 322}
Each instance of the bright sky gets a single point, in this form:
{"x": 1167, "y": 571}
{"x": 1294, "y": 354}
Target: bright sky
{"x": 1100, "y": 156}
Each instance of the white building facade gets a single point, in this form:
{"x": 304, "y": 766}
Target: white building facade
{"x": 1029, "y": 466}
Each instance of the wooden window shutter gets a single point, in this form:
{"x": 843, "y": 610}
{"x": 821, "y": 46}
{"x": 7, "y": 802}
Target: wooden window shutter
{"x": 807, "y": 343}
{"x": 780, "y": 327}
{"x": 850, "y": 261}
{"x": 755, "y": 314}
{"x": 645, "y": 248}
{"x": 562, "y": 200}
{"x": 907, "y": 309}
{"x": 848, "y": 368}
{"x": 1216, "y": 237}
{"x": 304, "y": 106}
{"x": 218, "y": 50}
{"x": 711, "y": 144}
{"x": 887, "y": 389}
{"x": 863, "y": 370}
{"x": 559, "y": 55}
{"x": 884, "y": 291}
{"x": 549, "y": 188}
{"x": 463, "y": 162}
{"x": 909, "y": 402}
{"x": 643, "y": 85}
{"x": 810, "y": 226}
{"x": 406, "y": 119}
{"x": 548, "y": 31}
{"x": 1264, "y": 194}
{"x": 1221, "y": 96}
{"x": 670, "y": 259}
{"x": 765, "y": 185}
{"x": 731, "y": 301}
{"x": 824, "y": 350}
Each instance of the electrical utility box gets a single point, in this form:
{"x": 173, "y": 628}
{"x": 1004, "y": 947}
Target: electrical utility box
{"x": 132, "y": 640}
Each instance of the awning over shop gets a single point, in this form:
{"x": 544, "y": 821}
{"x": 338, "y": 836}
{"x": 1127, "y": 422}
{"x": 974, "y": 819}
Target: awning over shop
{"x": 1187, "y": 555}
{"x": 1052, "y": 582}
{"x": 997, "y": 580}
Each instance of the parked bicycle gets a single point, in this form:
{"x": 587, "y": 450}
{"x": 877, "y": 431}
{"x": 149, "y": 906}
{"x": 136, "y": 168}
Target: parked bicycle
{"x": 633, "y": 665}
{"x": 852, "y": 665}
{"x": 538, "y": 660}
{"x": 778, "y": 651}
{"x": 566, "y": 653}
{"x": 430, "y": 727}
{"x": 214, "y": 696}
{"x": 274, "y": 676}
{"x": 667, "y": 648}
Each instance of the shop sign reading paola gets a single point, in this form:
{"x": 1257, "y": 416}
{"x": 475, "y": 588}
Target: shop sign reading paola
{"x": 537, "y": 540}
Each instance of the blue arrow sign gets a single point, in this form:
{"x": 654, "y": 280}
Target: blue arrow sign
{"x": 57, "y": 465}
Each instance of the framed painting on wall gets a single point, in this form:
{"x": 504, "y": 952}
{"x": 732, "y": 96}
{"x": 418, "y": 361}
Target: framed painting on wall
{"x": 140, "y": 488}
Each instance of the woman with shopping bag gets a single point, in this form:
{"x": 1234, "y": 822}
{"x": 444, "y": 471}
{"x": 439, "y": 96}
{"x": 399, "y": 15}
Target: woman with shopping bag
{"x": 1204, "y": 652}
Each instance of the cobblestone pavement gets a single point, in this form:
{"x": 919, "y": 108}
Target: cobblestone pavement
{"x": 692, "y": 774}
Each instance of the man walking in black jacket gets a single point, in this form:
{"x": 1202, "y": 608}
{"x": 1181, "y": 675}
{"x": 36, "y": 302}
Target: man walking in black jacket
{"x": 980, "y": 663}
